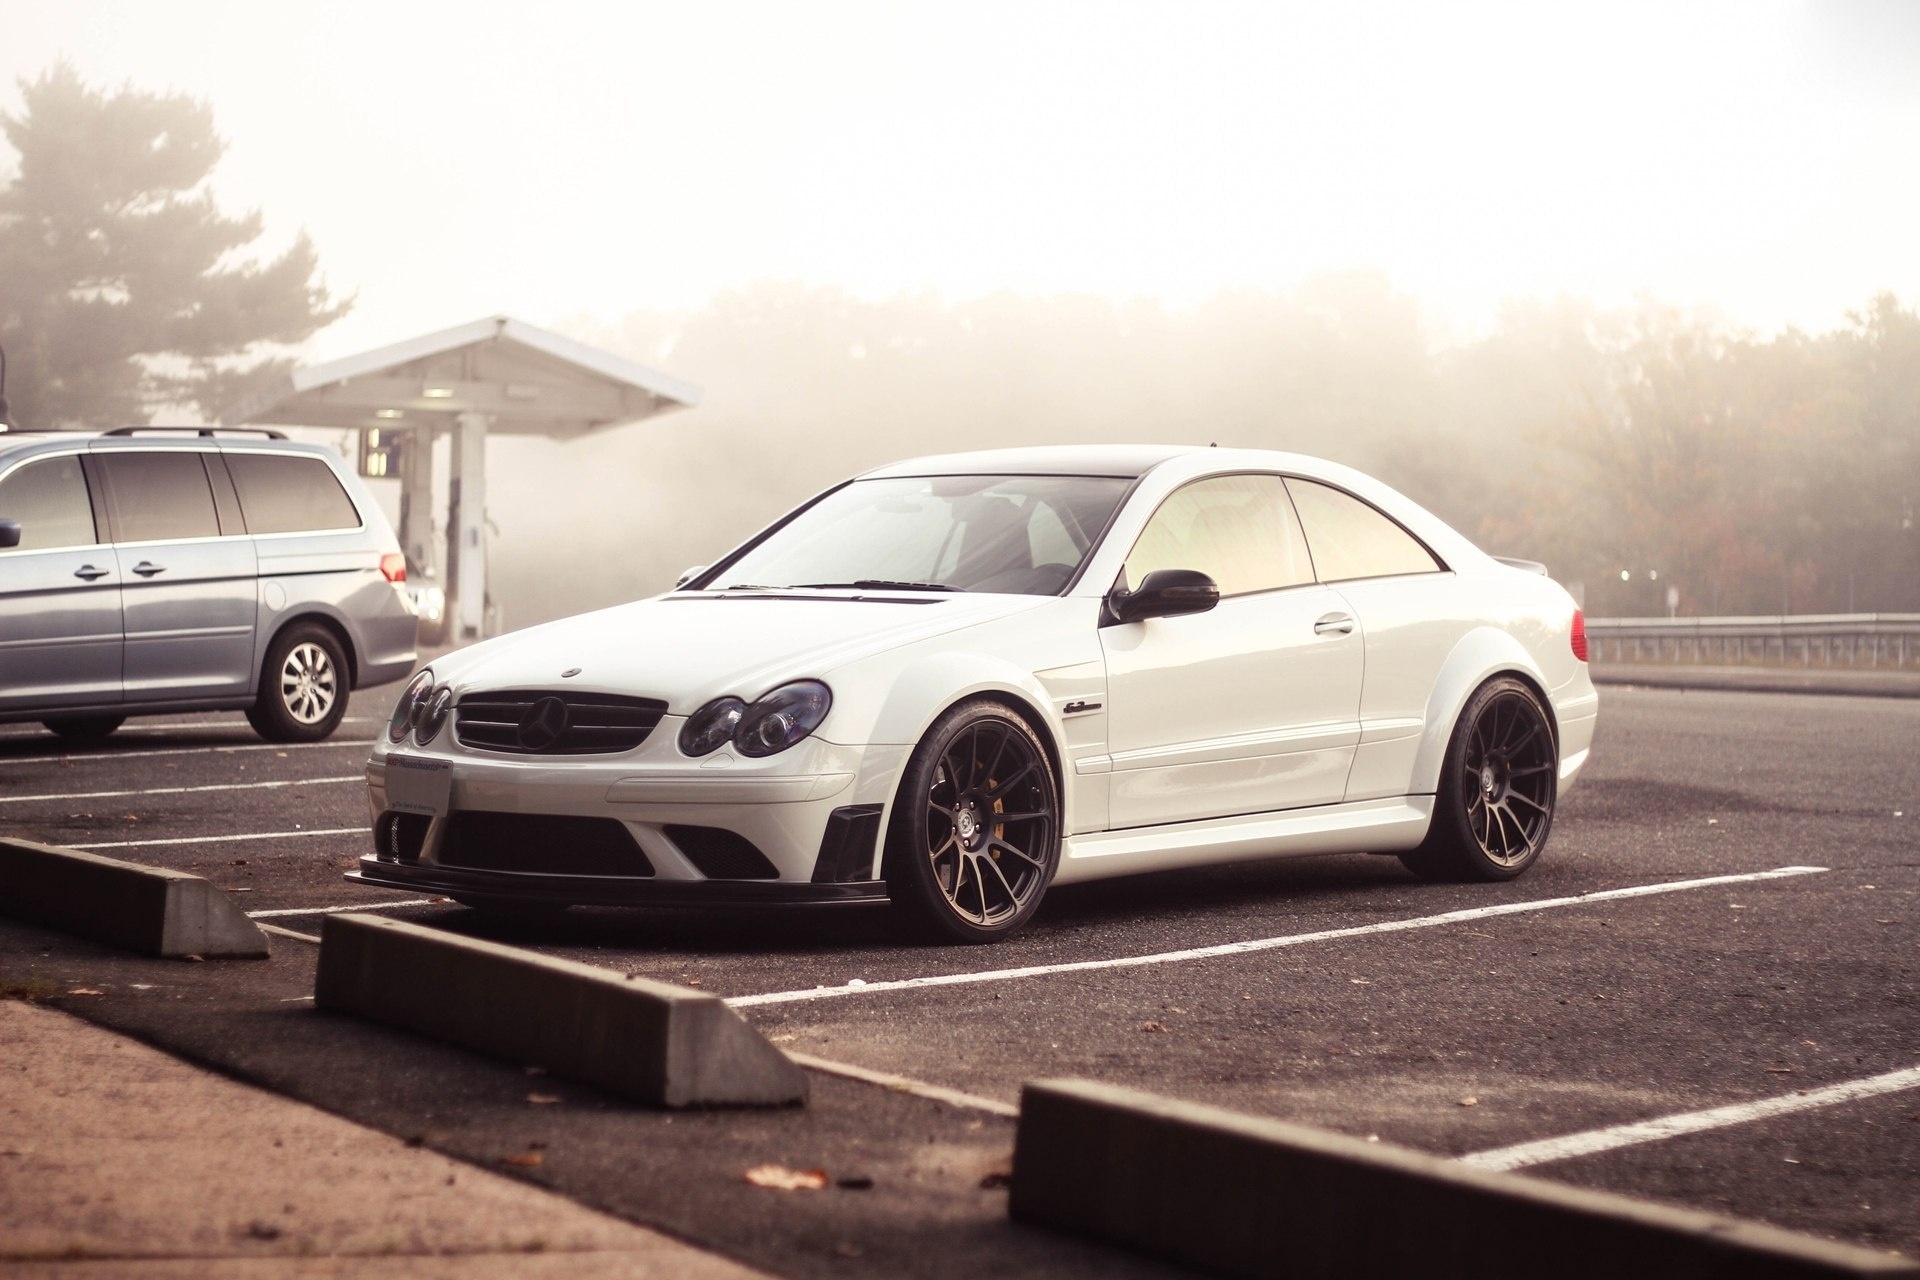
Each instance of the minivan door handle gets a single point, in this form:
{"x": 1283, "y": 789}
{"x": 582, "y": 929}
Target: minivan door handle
{"x": 147, "y": 568}
{"x": 88, "y": 572}
{"x": 1333, "y": 624}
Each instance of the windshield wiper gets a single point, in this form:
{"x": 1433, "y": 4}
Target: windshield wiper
{"x": 881, "y": 584}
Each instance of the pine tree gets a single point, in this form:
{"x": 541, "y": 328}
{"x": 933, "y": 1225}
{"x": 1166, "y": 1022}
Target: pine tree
{"x": 123, "y": 287}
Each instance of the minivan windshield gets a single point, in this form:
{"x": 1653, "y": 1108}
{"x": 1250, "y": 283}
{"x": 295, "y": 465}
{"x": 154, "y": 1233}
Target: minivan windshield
{"x": 1018, "y": 535}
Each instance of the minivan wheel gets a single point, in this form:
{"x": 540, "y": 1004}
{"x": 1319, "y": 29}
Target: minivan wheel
{"x": 303, "y": 686}
{"x": 84, "y": 728}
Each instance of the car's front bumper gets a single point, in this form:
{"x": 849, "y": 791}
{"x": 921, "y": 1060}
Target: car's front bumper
{"x": 640, "y": 828}
{"x": 612, "y": 891}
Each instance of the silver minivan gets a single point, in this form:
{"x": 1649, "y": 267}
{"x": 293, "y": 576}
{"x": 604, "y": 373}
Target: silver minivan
{"x": 146, "y": 571}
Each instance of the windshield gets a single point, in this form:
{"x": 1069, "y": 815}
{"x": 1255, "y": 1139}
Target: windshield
{"x": 1019, "y": 535}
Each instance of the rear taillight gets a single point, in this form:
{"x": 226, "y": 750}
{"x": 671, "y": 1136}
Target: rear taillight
{"x": 393, "y": 567}
{"x": 1580, "y": 635}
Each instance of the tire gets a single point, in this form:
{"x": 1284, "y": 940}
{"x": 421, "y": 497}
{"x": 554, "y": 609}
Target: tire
{"x": 84, "y": 728}
{"x": 974, "y": 839}
{"x": 1498, "y": 782}
{"x": 303, "y": 686}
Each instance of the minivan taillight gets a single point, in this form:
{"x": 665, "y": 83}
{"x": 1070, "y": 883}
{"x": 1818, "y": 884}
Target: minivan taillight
{"x": 1579, "y": 635}
{"x": 393, "y": 567}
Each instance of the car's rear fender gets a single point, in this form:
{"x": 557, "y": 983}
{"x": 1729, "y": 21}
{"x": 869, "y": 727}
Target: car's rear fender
{"x": 1482, "y": 654}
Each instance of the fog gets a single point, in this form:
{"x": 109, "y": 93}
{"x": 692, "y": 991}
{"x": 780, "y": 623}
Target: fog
{"x": 1749, "y": 474}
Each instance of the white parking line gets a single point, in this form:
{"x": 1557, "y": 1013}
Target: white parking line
{"x": 327, "y": 911}
{"x": 258, "y": 835}
{"x": 185, "y": 791}
{"x": 862, "y": 988}
{"x": 1627, "y": 1135}
{"x": 277, "y": 931}
{"x": 906, "y": 1084}
{"x": 114, "y": 757}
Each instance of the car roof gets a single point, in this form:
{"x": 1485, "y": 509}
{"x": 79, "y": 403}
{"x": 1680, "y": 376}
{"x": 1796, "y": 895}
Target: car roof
{"x": 1126, "y": 460}
{"x": 19, "y": 443}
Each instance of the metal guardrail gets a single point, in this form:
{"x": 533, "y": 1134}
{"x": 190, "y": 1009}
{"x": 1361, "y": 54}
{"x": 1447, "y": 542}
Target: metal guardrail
{"x": 1866, "y": 640}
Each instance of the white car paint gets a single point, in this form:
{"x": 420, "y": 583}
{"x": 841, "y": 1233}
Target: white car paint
{"x": 1176, "y": 743}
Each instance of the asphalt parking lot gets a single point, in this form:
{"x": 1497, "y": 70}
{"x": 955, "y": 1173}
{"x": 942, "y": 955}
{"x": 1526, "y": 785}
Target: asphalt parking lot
{"x": 1723, "y": 922}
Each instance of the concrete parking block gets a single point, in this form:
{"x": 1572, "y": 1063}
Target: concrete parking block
{"x": 1247, "y": 1196}
{"x": 660, "y": 1044}
{"x": 149, "y": 909}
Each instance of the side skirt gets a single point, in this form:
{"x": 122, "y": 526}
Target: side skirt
{"x": 1365, "y": 826}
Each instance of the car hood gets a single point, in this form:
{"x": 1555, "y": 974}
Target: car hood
{"x": 687, "y": 648}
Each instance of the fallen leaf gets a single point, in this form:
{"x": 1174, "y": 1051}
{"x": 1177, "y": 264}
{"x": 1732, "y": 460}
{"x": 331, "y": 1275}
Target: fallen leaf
{"x": 543, "y": 1099}
{"x": 86, "y": 991}
{"x": 525, "y": 1160}
{"x": 780, "y": 1178}
{"x": 1151, "y": 1025}
{"x": 1469, "y": 1101}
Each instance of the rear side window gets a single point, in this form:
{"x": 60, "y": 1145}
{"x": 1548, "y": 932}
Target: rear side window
{"x": 49, "y": 499}
{"x": 1351, "y": 540}
{"x": 159, "y": 497}
{"x": 283, "y": 493}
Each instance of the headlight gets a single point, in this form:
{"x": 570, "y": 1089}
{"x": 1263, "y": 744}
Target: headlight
{"x": 407, "y": 710}
{"x": 433, "y": 714}
{"x": 779, "y": 719}
{"x": 709, "y": 728}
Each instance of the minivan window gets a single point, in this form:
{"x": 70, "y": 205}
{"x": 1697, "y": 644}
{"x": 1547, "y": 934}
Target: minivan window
{"x": 1352, "y": 540}
{"x": 159, "y": 496}
{"x": 282, "y": 493}
{"x": 49, "y": 499}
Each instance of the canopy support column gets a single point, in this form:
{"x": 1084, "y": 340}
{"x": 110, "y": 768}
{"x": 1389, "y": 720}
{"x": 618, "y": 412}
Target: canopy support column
{"x": 467, "y": 530}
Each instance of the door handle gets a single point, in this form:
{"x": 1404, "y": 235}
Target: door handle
{"x": 147, "y": 568}
{"x": 88, "y": 572}
{"x": 1333, "y": 624}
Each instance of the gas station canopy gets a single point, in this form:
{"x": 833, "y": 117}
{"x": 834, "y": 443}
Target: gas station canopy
{"x": 526, "y": 380}
{"x": 494, "y": 376}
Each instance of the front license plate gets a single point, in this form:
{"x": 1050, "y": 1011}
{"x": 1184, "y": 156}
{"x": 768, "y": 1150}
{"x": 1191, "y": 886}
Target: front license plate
{"x": 415, "y": 785}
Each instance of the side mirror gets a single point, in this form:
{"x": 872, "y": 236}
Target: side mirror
{"x": 9, "y": 534}
{"x": 1164, "y": 593}
{"x": 688, "y": 575}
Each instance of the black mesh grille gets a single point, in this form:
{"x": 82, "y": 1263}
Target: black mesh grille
{"x": 721, "y": 854}
{"x": 541, "y": 842}
{"x": 398, "y": 837}
{"x": 596, "y": 723}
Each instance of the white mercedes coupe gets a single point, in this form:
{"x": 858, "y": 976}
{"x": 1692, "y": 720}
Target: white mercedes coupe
{"x": 954, "y": 681}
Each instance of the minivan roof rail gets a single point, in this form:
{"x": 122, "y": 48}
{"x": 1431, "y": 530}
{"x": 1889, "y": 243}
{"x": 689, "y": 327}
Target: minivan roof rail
{"x": 268, "y": 432}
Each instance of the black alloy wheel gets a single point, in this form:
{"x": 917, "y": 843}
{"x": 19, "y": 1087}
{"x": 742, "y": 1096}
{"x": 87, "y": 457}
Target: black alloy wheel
{"x": 1497, "y": 788}
{"x": 974, "y": 838}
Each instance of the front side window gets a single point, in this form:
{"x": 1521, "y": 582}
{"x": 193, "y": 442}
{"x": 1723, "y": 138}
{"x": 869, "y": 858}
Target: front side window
{"x": 1018, "y": 535}
{"x": 49, "y": 499}
{"x": 159, "y": 496}
{"x": 1238, "y": 530}
{"x": 286, "y": 493}
{"x": 1352, "y": 540}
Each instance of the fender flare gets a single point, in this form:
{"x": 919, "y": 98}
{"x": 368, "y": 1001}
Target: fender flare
{"x": 1481, "y": 654}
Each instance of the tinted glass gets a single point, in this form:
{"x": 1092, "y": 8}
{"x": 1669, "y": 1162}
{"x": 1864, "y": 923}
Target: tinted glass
{"x": 285, "y": 494}
{"x": 49, "y": 499}
{"x": 1018, "y": 535}
{"x": 159, "y": 496}
{"x": 1238, "y": 530}
{"x": 1351, "y": 539}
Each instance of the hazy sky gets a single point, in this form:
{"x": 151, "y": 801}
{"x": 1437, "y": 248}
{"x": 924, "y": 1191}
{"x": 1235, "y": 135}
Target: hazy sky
{"x": 453, "y": 160}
